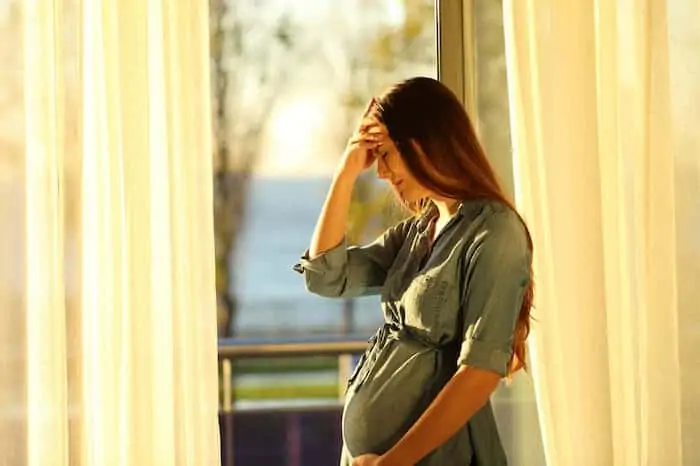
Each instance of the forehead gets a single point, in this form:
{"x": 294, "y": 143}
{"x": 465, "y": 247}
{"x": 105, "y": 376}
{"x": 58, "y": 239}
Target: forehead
{"x": 389, "y": 145}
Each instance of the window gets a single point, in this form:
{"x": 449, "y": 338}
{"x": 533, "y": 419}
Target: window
{"x": 290, "y": 79}
{"x": 289, "y": 83}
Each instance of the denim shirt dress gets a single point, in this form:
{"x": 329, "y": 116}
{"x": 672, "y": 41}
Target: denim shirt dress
{"x": 451, "y": 303}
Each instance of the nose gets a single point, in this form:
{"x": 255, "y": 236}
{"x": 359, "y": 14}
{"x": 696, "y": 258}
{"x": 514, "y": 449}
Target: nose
{"x": 382, "y": 169}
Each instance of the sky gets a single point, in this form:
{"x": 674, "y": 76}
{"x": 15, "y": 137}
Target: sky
{"x": 300, "y": 137}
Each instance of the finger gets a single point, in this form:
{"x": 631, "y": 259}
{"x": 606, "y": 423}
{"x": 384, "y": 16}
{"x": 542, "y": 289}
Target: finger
{"x": 373, "y": 126}
{"x": 380, "y": 126}
{"x": 364, "y": 126}
{"x": 373, "y": 137}
{"x": 377, "y": 137}
{"x": 375, "y": 131}
{"x": 367, "y": 124}
{"x": 370, "y": 146}
{"x": 366, "y": 137}
{"x": 372, "y": 120}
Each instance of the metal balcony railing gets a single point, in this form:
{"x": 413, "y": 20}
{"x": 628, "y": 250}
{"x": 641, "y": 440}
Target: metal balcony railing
{"x": 343, "y": 347}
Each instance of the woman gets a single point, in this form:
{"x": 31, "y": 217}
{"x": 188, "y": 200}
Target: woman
{"x": 454, "y": 279}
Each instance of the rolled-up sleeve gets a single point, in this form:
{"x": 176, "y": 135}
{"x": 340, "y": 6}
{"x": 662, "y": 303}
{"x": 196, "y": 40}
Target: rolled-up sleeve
{"x": 497, "y": 273}
{"x": 352, "y": 271}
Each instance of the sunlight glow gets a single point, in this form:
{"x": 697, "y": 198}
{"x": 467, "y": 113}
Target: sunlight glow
{"x": 396, "y": 12}
{"x": 299, "y": 138}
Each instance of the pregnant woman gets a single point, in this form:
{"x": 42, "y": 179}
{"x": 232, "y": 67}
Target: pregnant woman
{"x": 455, "y": 281}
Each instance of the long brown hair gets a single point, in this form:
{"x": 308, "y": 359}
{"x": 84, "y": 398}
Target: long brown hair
{"x": 449, "y": 161}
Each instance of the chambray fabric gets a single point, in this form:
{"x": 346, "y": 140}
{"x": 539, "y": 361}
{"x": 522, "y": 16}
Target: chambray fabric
{"x": 455, "y": 302}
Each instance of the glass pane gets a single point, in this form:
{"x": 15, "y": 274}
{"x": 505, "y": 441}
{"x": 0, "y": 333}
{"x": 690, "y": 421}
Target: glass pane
{"x": 287, "y": 94}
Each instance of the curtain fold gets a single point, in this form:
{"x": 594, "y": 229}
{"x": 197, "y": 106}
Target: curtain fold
{"x": 595, "y": 134}
{"x": 44, "y": 300}
{"x": 110, "y": 336}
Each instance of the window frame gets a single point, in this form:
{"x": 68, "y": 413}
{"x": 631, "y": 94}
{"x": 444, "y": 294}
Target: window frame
{"x": 455, "y": 49}
{"x": 456, "y": 68}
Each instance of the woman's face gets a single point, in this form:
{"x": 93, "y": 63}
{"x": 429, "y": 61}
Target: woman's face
{"x": 391, "y": 167}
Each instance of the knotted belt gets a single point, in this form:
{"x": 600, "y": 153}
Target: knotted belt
{"x": 393, "y": 331}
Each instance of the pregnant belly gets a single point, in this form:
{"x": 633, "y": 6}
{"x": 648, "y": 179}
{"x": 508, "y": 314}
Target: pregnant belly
{"x": 399, "y": 387}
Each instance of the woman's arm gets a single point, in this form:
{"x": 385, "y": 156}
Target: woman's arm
{"x": 333, "y": 220}
{"x": 358, "y": 156}
{"x": 347, "y": 272}
{"x": 331, "y": 268}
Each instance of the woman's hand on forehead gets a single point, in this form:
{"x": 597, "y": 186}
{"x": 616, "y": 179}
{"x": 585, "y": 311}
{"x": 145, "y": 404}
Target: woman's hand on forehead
{"x": 370, "y": 125}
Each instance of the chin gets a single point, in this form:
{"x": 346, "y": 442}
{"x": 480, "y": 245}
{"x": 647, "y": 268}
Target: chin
{"x": 407, "y": 198}
{"x": 412, "y": 195}
{"x": 407, "y": 194}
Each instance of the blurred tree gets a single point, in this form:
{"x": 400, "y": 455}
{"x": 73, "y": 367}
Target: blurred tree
{"x": 249, "y": 58}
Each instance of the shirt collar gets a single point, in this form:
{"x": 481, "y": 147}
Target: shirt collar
{"x": 465, "y": 209}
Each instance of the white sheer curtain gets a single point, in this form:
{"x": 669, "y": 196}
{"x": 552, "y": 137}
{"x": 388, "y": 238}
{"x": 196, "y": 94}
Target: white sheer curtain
{"x": 108, "y": 321}
{"x": 604, "y": 98}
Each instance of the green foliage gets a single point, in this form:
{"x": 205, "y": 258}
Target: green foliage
{"x": 373, "y": 210}
{"x": 285, "y": 392}
{"x": 410, "y": 42}
{"x": 281, "y": 366}
{"x": 285, "y": 365}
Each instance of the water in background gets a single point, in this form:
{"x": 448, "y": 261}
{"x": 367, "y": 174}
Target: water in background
{"x": 281, "y": 216}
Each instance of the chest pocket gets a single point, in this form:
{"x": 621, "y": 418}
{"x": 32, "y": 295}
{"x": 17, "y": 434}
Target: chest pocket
{"x": 426, "y": 302}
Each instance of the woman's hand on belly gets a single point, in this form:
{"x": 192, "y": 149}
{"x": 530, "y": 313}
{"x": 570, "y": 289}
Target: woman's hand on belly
{"x": 367, "y": 460}
{"x": 467, "y": 391}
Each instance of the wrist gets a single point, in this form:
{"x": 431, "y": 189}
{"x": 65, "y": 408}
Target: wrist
{"x": 391, "y": 458}
{"x": 345, "y": 177}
